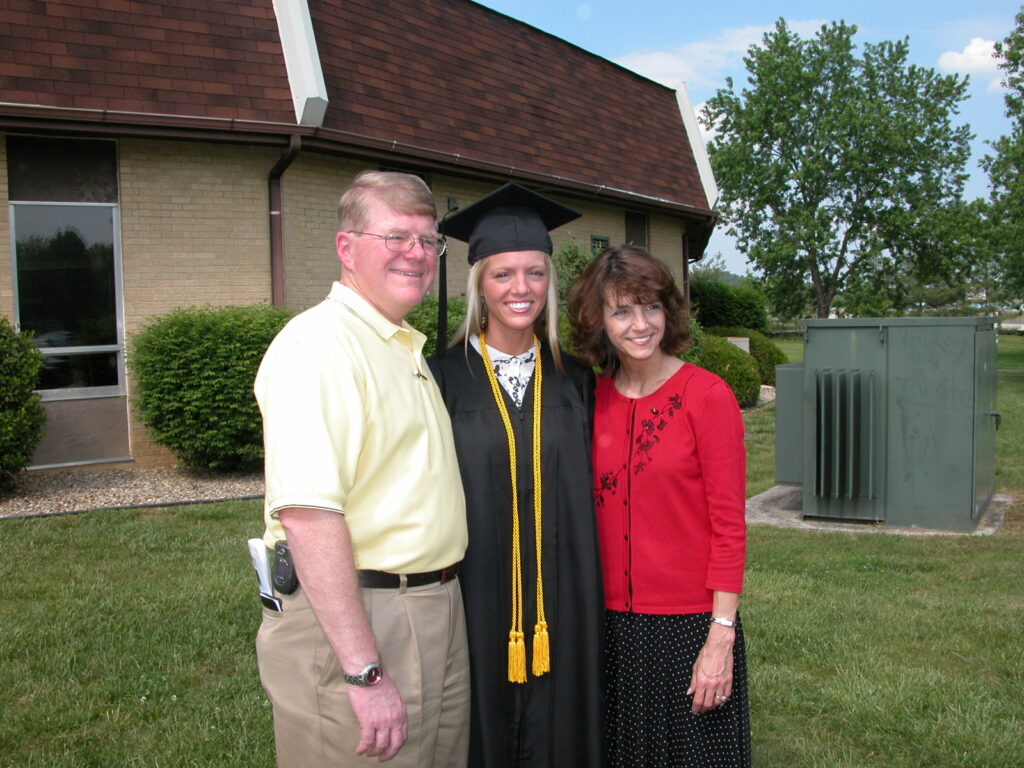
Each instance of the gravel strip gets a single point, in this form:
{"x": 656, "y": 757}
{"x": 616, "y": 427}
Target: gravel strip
{"x": 52, "y": 492}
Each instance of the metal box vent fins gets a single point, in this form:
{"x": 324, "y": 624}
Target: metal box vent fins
{"x": 846, "y": 426}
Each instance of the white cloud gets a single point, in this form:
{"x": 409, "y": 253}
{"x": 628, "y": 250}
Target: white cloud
{"x": 706, "y": 63}
{"x": 977, "y": 58}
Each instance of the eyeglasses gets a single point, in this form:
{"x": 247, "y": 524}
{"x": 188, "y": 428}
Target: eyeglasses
{"x": 403, "y": 243}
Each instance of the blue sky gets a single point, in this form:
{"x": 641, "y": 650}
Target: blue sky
{"x": 702, "y": 43}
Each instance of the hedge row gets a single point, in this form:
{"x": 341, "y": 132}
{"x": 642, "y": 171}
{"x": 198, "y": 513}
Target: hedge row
{"x": 194, "y": 371}
{"x": 720, "y": 304}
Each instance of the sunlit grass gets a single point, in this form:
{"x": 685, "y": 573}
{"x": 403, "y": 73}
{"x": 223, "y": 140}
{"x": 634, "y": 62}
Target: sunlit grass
{"x": 127, "y": 639}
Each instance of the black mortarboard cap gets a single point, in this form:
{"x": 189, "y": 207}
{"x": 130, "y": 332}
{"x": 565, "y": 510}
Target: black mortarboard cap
{"x": 512, "y": 218}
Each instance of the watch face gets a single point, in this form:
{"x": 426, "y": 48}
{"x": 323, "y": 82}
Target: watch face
{"x": 374, "y": 675}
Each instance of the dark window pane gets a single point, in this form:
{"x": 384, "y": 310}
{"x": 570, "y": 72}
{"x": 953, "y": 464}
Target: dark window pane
{"x": 68, "y": 371}
{"x": 61, "y": 170}
{"x": 66, "y": 286}
{"x": 636, "y": 229}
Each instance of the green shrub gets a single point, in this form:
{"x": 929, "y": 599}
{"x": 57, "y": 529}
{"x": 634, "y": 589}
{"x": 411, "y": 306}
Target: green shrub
{"x": 570, "y": 261}
{"x": 749, "y": 309}
{"x": 764, "y": 351}
{"x": 21, "y": 414}
{"x": 194, "y": 370}
{"x": 710, "y": 302}
{"x": 720, "y": 304}
{"x": 731, "y": 363}
{"x": 424, "y": 319}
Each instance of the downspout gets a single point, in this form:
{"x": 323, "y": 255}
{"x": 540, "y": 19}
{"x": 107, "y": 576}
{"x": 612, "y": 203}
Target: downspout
{"x": 686, "y": 274}
{"x": 276, "y": 224}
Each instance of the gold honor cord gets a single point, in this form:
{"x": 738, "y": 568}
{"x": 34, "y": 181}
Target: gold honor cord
{"x": 516, "y": 645}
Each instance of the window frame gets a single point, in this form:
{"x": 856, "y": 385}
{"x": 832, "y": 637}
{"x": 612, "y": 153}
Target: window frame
{"x": 640, "y": 217}
{"x": 79, "y": 393}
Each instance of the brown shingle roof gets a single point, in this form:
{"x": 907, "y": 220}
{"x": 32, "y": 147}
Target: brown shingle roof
{"x": 449, "y": 79}
{"x": 463, "y": 79}
{"x": 205, "y": 58}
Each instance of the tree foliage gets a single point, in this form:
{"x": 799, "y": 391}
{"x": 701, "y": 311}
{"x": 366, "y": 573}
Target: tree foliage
{"x": 836, "y": 166}
{"x": 1006, "y": 167}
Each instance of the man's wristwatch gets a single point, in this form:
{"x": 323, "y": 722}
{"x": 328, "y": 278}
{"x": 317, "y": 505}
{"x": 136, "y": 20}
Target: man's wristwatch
{"x": 372, "y": 674}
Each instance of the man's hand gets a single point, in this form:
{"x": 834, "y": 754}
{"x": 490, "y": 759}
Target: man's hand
{"x": 322, "y": 548}
{"x": 383, "y": 722}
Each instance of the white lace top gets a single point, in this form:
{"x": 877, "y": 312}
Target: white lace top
{"x": 513, "y": 371}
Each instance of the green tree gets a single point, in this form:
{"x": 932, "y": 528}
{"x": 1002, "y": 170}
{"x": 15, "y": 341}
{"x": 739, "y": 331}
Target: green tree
{"x": 836, "y": 166}
{"x": 711, "y": 268}
{"x": 1006, "y": 167}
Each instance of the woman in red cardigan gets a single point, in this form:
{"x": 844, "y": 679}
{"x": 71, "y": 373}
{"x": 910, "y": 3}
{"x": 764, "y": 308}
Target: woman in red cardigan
{"x": 670, "y": 477}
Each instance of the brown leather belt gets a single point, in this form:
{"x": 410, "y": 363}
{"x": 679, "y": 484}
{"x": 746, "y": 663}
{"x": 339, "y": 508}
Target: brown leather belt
{"x": 385, "y": 580}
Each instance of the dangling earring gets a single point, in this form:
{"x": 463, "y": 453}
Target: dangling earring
{"x": 483, "y": 314}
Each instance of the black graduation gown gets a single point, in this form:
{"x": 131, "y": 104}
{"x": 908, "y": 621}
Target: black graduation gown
{"x": 552, "y": 721}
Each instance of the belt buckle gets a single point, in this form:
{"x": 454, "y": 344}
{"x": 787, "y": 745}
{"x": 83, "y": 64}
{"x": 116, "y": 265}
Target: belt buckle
{"x": 449, "y": 573}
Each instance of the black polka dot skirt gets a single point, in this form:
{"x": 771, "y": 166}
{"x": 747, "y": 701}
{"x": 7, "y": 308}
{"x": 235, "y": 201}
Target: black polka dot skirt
{"x": 648, "y": 663}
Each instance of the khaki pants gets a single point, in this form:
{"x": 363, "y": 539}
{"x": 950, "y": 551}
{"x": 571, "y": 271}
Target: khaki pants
{"x": 421, "y": 635}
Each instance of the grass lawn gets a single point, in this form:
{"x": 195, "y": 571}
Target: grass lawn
{"x": 1011, "y": 352}
{"x": 127, "y": 636}
{"x": 793, "y": 348}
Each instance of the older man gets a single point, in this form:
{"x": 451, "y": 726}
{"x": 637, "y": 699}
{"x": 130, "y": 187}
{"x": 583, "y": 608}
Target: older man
{"x": 367, "y": 656}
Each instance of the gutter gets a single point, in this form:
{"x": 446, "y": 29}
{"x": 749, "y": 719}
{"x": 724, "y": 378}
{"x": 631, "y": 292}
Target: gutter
{"x": 276, "y": 224}
{"x": 111, "y": 122}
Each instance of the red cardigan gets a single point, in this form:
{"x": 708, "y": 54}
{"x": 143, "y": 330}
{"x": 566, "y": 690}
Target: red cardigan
{"x": 670, "y": 492}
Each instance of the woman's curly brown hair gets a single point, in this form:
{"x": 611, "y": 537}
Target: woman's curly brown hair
{"x": 629, "y": 272}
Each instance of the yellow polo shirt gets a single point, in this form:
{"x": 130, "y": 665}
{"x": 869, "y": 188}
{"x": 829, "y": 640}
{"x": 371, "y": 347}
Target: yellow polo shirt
{"x": 354, "y": 423}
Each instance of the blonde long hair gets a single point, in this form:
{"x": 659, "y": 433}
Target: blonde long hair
{"x": 546, "y": 325}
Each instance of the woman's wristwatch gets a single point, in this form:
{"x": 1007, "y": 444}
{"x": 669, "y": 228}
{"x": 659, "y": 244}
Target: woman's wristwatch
{"x": 723, "y": 621}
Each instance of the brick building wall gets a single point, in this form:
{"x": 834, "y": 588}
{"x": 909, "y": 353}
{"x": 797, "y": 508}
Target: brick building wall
{"x": 194, "y": 231}
{"x": 312, "y": 187}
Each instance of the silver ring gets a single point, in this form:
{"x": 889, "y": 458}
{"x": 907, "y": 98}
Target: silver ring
{"x": 721, "y": 698}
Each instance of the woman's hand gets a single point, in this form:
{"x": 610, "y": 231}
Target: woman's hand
{"x": 711, "y": 682}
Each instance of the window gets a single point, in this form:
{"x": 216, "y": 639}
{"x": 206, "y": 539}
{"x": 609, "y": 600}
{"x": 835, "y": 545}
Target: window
{"x": 598, "y": 243}
{"x": 636, "y": 229}
{"x": 65, "y": 223}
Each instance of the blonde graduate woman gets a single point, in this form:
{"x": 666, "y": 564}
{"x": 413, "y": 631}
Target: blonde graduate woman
{"x": 670, "y": 492}
{"x": 520, "y": 411}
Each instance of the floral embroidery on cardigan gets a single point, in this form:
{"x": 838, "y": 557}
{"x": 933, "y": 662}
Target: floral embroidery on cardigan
{"x": 643, "y": 444}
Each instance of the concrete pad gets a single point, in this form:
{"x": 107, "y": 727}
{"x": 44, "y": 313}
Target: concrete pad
{"x": 782, "y": 506}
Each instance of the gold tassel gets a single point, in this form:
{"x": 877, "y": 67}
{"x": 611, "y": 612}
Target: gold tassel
{"x": 541, "y": 651}
{"x": 516, "y": 658}
{"x": 516, "y": 643}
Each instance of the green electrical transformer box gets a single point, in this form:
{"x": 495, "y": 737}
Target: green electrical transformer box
{"x": 893, "y": 420}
